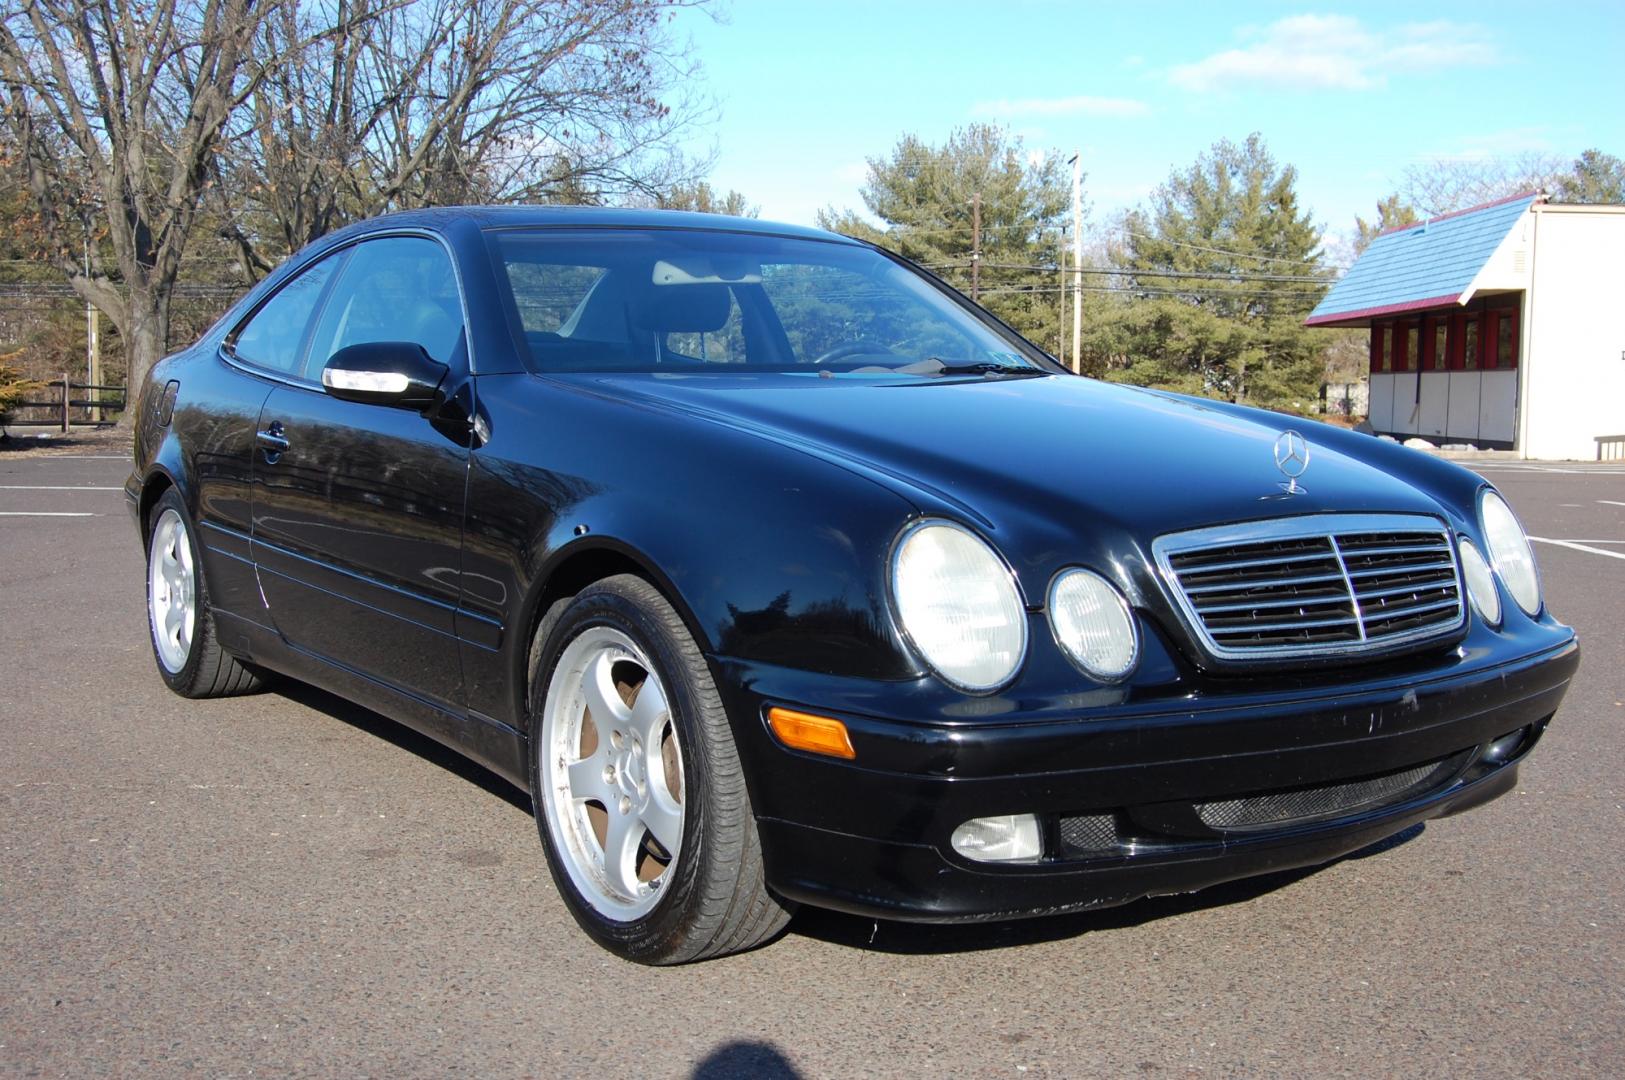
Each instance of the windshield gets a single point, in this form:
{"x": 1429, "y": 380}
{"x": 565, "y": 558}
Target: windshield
{"x": 695, "y": 301}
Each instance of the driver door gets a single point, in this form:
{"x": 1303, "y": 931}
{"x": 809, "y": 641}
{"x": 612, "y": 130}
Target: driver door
{"x": 358, "y": 508}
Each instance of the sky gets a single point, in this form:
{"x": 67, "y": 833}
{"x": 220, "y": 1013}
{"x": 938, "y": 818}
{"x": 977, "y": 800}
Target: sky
{"x": 805, "y": 91}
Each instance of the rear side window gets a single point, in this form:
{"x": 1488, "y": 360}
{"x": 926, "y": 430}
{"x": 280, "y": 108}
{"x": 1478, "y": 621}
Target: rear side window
{"x": 399, "y": 288}
{"x": 274, "y": 337}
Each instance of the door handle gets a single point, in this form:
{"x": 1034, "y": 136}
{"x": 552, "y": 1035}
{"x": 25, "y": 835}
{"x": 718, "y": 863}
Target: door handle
{"x": 272, "y": 441}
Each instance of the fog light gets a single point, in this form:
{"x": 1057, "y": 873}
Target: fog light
{"x": 1504, "y": 747}
{"x": 1008, "y": 838}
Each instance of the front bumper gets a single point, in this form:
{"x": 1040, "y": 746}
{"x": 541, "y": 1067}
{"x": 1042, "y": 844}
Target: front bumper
{"x": 871, "y": 836}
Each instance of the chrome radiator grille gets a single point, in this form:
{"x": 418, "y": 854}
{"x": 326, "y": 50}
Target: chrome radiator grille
{"x": 1321, "y": 585}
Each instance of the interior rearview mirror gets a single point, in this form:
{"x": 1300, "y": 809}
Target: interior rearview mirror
{"x": 396, "y": 373}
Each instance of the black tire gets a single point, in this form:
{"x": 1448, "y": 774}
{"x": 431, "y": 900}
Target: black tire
{"x": 208, "y": 671}
{"x": 715, "y": 900}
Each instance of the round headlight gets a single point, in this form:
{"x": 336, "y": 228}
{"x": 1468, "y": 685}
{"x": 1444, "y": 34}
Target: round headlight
{"x": 958, "y": 605}
{"x": 1480, "y": 583}
{"x": 1509, "y": 551}
{"x": 1093, "y": 625}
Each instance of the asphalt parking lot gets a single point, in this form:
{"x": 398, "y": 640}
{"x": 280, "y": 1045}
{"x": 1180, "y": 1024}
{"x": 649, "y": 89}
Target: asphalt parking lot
{"x": 288, "y": 885}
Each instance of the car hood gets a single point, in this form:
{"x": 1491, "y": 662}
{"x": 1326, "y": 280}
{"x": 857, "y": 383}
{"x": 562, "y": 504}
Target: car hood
{"x": 1087, "y": 453}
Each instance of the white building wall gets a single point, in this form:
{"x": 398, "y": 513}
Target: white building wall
{"x": 1407, "y": 410}
{"x": 1435, "y": 405}
{"x": 1464, "y": 403}
{"x": 1573, "y": 361}
{"x": 1497, "y": 405}
{"x": 1381, "y": 412}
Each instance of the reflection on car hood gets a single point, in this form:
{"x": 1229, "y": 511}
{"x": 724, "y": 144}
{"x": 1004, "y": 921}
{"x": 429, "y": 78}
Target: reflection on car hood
{"x": 1080, "y": 451}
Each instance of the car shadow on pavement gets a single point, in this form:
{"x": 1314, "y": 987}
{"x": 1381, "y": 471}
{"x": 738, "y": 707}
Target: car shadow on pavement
{"x": 404, "y": 737}
{"x": 745, "y": 1061}
{"x": 913, "y": 939}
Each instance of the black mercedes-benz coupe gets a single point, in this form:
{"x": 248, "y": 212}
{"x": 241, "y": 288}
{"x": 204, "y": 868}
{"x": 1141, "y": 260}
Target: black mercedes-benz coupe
{"x": 777, "y": 572}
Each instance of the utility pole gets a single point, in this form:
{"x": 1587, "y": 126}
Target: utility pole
{"x": 976, "y": 246}
{"x": 1077, "y": 261}
{"x": 93, "y": 345}
{"x": 1060, "y": 267}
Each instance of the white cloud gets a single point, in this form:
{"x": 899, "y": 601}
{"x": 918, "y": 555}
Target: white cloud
{"x": 1334, "y": 52}
{"x": 1080, "y": 105}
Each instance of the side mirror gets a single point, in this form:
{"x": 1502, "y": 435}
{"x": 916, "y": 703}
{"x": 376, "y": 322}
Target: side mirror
{"x": 394, "y": 373}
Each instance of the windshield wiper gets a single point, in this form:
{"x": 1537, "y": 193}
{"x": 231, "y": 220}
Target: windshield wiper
{"x": 936, "y": 365}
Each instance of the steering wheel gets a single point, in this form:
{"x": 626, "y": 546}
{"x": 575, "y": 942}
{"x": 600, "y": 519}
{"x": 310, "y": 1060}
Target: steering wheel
{"x": 861, "y": 347}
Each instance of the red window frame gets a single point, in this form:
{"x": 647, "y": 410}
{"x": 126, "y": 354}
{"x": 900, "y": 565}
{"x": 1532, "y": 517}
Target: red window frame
{"x": 1472, "y": 341}
{"x": 1399, "y": 356}
{"x": 1510, "y": 360}
{"x": 1456, "y": 336}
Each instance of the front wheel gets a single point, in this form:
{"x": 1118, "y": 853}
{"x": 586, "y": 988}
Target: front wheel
{"x": 640, "y": 797}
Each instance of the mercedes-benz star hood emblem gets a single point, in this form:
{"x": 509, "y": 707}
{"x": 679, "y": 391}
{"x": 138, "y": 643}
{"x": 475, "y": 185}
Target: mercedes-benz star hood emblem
{"x": 1292, "y": 458}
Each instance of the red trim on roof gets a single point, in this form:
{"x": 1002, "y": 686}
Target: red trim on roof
{"x": 1459, "y": 213}
{"x": 1385, "y": 309}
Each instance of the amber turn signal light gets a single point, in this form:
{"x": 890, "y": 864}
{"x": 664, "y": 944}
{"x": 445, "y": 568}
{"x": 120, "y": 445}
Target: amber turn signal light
{"x": 814, "y": 734}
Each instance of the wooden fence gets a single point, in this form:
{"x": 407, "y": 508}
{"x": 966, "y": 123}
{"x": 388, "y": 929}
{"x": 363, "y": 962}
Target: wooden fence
{"x": 98, "y": 409}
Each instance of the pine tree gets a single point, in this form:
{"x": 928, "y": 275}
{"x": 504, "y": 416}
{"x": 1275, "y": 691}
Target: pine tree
{"x": 924, "y": 197}
{"x": 1228, "y": 263}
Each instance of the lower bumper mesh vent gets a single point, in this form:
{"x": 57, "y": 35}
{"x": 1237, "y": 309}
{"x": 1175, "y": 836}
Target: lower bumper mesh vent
{"x": 1088, "y": 833}
{"x": 1327, "y": 800}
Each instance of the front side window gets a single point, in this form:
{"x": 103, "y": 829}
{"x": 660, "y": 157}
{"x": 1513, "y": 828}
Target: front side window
{"x": 697, "y": 301}
{"x": 274, "y": 337}
{"x": 397, "y": 288}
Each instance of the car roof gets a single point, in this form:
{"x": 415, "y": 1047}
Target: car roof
{"x": 512, "y": 217}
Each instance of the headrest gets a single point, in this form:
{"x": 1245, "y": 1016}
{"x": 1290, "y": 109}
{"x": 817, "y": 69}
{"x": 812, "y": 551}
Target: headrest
{"x": 683, "y": 309}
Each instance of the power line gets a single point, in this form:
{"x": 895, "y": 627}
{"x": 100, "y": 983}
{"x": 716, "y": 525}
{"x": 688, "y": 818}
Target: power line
{"x": 1131, "y": 290}
{"x": 962, "y": 230}
{"x": 1148, "y": 272}
{"x": 915, "y": 230}
{"x": 1222, "y": 251}
{"x": 62, "y": 290}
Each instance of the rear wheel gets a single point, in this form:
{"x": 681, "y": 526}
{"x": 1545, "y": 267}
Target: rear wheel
{"x": 640, "y": 797}
{"x": 184, "y": 641}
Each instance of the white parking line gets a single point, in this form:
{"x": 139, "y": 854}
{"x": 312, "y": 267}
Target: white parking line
{"x": 1578, "y": 547}
{"x": 1582, "y": 469}
{"x": 42, "y": 513}
{"x": 1611, "y": 502}
{"x": 51, "y": 487}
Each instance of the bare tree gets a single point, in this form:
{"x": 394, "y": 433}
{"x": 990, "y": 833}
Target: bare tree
{"x": 1446, "y": 184}
{"x": 136, "y": 120}
{"x": 117, "y": 108}
{"x": 380, "y": 105}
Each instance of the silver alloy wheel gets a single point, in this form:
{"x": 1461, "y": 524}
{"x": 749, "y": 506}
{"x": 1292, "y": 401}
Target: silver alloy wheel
{"x": 171, "y": 591}
{"x": 612, "y": 774}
